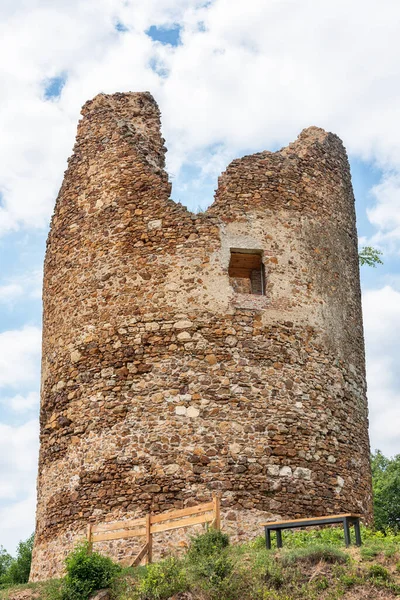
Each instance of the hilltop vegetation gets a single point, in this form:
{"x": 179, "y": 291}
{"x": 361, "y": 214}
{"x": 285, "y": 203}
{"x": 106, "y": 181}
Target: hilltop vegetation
{"x": 312, "y": 565}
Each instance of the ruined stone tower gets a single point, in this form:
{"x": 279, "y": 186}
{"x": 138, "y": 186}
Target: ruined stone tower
{"x": 190, "y": 353}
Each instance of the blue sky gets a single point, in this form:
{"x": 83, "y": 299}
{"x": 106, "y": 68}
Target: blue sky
{"x": 231, "y": 78}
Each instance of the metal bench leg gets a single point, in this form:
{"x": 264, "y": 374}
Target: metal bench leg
{"x": 268, "y": 538}
{"x": 357, "y": 532}
{"x": 346, "y": 528}
{"x": 279, "y": 538}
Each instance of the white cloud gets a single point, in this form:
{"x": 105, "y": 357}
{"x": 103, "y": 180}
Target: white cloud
{"x": 22, "y": 403}
{"x": 20, "y": 287}
{"x": 18, "y": 466}
{"x": 385, "y": 215}
{"x": 19, "y": 357}
{"x": 10, "y": 292}
{"x": 247, "y": 76}
{"x": 382, "y": 325}
{"x": 18, "y": 521}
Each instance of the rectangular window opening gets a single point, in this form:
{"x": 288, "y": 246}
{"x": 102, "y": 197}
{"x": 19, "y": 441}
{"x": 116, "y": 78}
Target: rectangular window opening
{"x": 246, "y": 272}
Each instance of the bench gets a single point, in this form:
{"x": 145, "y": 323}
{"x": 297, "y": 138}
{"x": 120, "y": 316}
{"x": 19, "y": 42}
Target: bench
{"x": 346, "y": 519}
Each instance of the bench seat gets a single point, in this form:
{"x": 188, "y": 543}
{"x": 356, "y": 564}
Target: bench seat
{"x": 346, "y": 519}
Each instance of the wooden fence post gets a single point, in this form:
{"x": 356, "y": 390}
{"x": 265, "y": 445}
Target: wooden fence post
{"x": 217, "y": 511}
{"x": 149, "y": 540}
{"x": 89, "y": 538}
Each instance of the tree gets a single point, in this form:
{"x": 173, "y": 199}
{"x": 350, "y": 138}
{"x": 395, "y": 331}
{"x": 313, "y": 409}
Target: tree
{"x": 5, "y": 563}
{"x": 370, "y": 256}
{"x": 19, "y": 569}
{"x": 386, "y": 488}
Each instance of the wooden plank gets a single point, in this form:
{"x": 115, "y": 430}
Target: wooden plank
{"x": 239, "y": 273}
{"x": 134, "y": 560}
{"x": 120, "y": 525}
{"x": 149, "y": 540}
{"x": 138, "y": 558}
{"x": 245, "y": 261}
{"x": 182, "y": 512}
{"x": 89, "y": 535}
{"x": 251, "y": 265}
{"x": 118, "y": 535}
{"x": 217, "y": 512}
{"x": 354, "y": 516}
{"x": 186, "y": 522}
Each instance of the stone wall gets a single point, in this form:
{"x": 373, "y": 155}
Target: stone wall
{"x": 160, "y": 382}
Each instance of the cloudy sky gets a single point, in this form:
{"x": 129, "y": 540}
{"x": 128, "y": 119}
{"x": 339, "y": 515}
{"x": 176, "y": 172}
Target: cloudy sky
{"x": 231, "y": 77}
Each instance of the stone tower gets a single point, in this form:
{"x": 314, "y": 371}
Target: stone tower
{"x": 190, "y": 353}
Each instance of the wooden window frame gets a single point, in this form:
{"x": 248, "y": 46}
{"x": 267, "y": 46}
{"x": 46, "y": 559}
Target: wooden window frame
{"x": 241, "y": 264}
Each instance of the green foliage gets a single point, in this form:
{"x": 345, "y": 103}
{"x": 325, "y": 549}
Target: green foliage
{"x": 86, "y": 573}
{"x": 53, "y": 589}
{"x": 162, "y": 580}
{"x": 321, "y": 583}
{"x": 17, "y": 569}
{"x": 386, "y": 488}
{"x": 370, "y": 256}
{"x": 313, "y": 555}
{"x": 209, "y": 564}
{"x": 370, "y": 552}
{"x": 5, "y": 563}
{"x": 273, "y": 575}
{"x": 312, "y": 565}
{"x": 349, "y": 580}
{"x": 207, "y": 544}
{"x": 213, "y": 569}
{"x": 328, "y": 536}
{"x": 378, "y": 572}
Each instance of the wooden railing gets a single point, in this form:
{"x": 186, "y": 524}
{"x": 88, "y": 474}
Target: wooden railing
{"x": 151, "y": 524}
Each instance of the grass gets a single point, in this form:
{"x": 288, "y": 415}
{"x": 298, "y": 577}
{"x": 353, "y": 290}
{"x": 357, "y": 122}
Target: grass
{"x": 312, "y": 565}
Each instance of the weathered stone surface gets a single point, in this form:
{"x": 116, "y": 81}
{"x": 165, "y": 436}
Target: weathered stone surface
{"x": 161, "y": 383}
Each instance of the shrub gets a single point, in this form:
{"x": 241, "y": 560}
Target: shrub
{"x": 162, "y": 580}
{"x": 378, "y": 572}
{"x": 390, "y": 550}
{"x": 313, "y": 555}
{"x": 207, "y": 544}
{"x": 86, "y": 573}
{"x": 208, "y": 562}
{"x": 349, "y": 580}
{"x": 273, "y": 575}
{"x": 213, "y": 569}
{"x": 369, "y": 552}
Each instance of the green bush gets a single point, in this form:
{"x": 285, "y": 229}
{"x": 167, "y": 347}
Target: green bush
{"x": 370, "y": 552}
{"x": 213, "y": 569}
{"x": 273, "y": 575}
{"x": 162, "y": 580}
{"x": 87, "y": 572}
{"x": 207, "y": 544}
{"x": 349, "y": 580}
{"x": 313, "y": 555}
{"x": 209, "y": 565}
{"x": 378, "y": 572}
